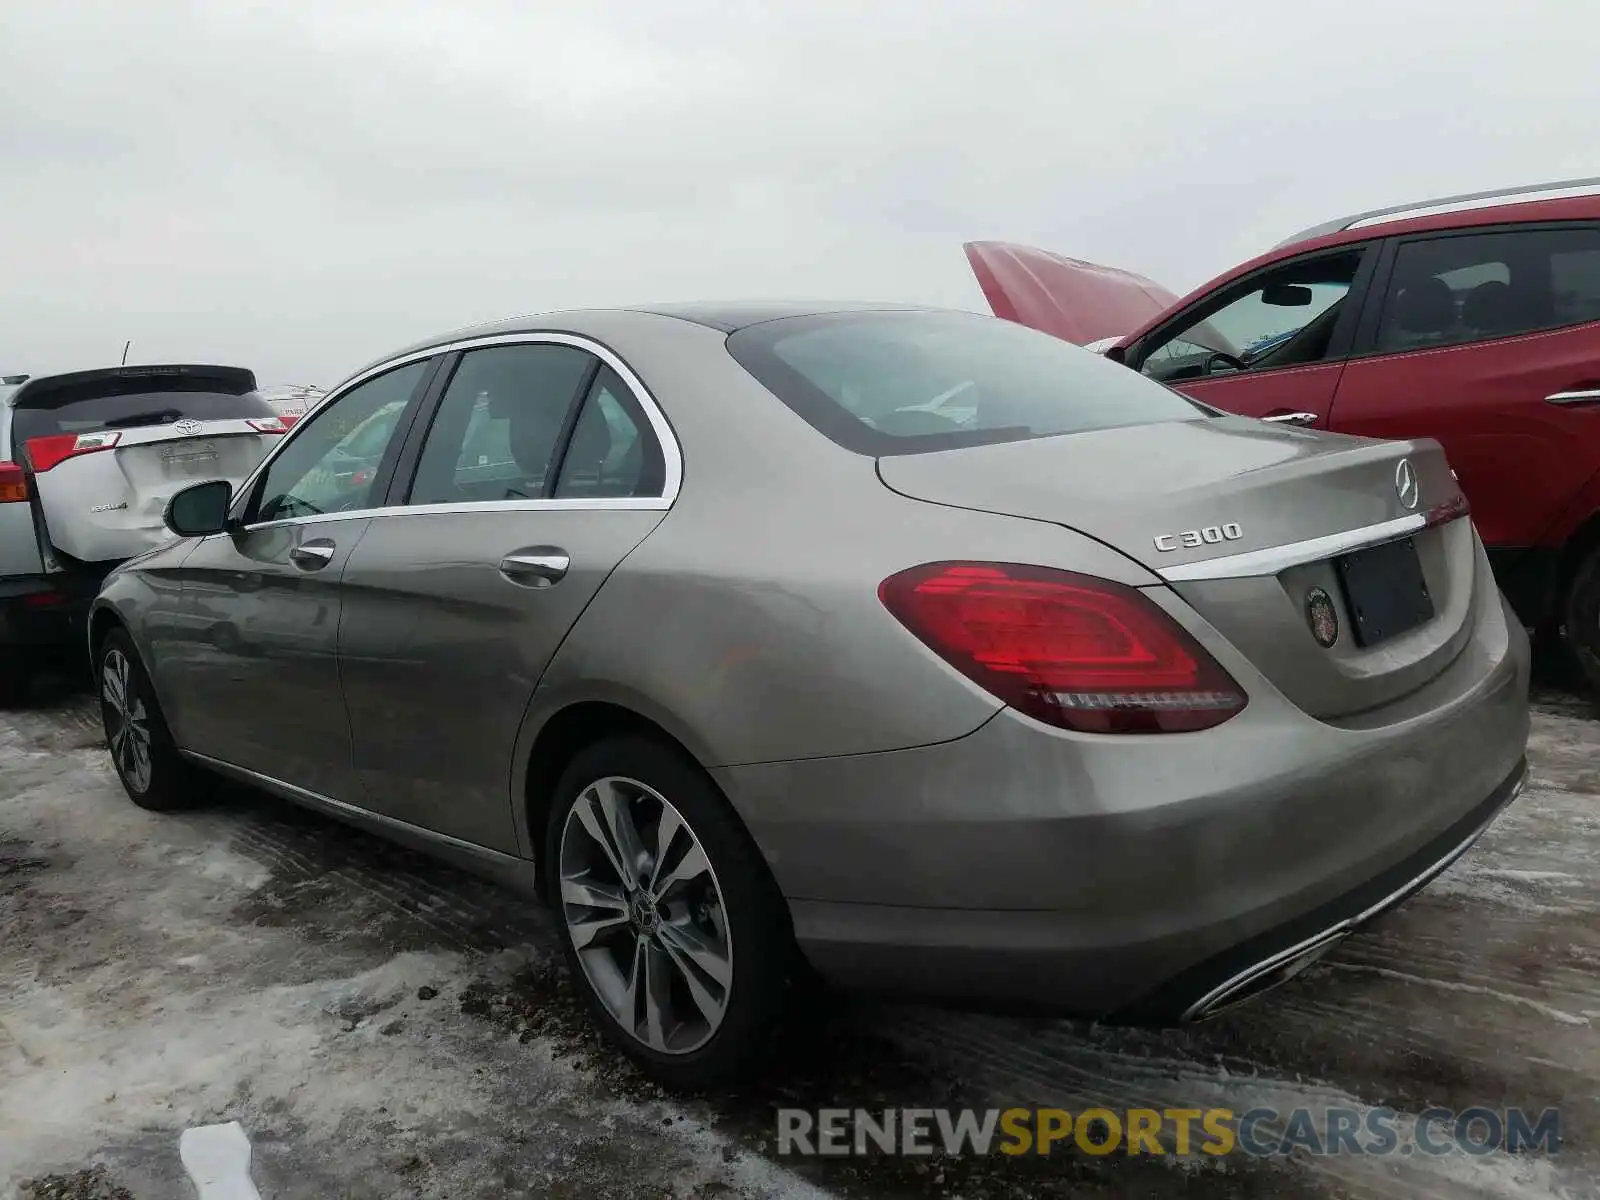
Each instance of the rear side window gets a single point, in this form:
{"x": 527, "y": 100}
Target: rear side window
{"x": 499, "y": 425}
{"x": 612, "y": 453}
{"x": 884, "y": 383}
{"x": 124, "y": 403}
{"x": 1446, "y": 291}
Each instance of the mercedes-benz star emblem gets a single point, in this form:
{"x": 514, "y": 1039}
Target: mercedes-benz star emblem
{"x": 186, "y": 426}
{"x": 1405, "y": 484}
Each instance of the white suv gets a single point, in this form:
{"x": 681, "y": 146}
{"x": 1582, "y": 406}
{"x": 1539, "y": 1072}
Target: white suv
{"x": 87, "y": 463}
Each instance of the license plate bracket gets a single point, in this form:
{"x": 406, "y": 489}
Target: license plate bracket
{"x": 1385, "y": 591}
{"x": 188, "y": 458}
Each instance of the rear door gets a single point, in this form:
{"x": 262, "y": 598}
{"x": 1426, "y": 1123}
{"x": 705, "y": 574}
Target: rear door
{"x": 543, "y": 465}
{"x": 105, "y": 450}
{"x": 1488, "y": 340}
{"x": 1271, "y": 345}
{"x": 252, "y": 677}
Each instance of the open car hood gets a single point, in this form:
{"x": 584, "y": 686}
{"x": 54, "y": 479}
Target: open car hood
{"x": 1081, "y": 302}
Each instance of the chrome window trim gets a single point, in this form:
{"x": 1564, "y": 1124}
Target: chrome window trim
{"x": 1274, "y": 559}
{"x": 671, "y": 452}
{"x": 598, "y": 503}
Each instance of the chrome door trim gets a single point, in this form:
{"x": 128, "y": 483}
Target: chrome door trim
{"x": 671, "y": 451}
{"x": 504, "y": 868}
{"x": 1274, "y": 559}
{"x": 1580, "y": 396}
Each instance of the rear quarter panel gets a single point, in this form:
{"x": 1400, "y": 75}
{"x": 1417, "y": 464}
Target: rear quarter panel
{"x": 748, "y": 623}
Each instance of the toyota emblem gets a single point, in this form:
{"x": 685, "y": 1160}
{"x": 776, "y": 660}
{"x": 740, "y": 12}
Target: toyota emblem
{"x": 1405, "y": 484}
{"x": 188, "y": 426}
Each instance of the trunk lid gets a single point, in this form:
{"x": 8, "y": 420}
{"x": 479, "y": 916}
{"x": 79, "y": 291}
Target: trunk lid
{"x": 1079, "y": 301}
{"x": 1245, "y": 520}
{"x": 105, "y": 450}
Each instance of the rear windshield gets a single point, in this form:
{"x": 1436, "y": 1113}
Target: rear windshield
{"x": 85, "y": 411}
{"x": 884, "y": 383}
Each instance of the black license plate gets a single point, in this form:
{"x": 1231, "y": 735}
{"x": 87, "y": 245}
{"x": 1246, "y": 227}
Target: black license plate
{"x": 1385, "y": 591}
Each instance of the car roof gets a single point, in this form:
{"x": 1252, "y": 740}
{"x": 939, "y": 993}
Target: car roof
{"x": 722, "y": 316}
{"x": 1574, "y": 200}
{"x": 1500, "y": 206}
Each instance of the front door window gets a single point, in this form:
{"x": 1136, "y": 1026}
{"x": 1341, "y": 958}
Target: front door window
{"x": 332, "y": 465}
{"x": 1286, "y": 317}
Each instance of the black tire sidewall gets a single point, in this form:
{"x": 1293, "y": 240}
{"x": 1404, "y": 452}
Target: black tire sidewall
{"x": 763, "y": 957}
{"x": 166, "y": 791}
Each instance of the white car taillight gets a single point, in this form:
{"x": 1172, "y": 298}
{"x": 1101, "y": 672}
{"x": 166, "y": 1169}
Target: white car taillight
{"x": 46, "y": 452}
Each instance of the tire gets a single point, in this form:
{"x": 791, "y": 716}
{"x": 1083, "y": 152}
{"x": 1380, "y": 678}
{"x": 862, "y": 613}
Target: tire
{"x": 143, "y": 753}
{"x": 1555, "y": 664}
{"x": 1580, "y": 615}
{"x": 638, "y": 940}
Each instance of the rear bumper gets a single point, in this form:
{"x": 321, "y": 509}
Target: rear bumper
{"x": 40, "y": 615}
{"x": 1026, "y": 869}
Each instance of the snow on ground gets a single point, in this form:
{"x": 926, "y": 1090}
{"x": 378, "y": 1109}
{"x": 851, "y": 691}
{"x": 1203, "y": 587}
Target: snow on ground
{"x": 384, "y": 1026}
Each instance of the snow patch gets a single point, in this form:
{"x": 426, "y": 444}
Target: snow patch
{"x": 1471, "y": 989}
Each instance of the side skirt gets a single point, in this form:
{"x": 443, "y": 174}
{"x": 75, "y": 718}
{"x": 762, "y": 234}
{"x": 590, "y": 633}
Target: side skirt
{"x": 507, "y": 870}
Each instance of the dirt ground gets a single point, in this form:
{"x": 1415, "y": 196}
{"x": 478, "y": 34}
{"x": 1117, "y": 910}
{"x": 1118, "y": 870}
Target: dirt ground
{"x": 385, "y": 1027}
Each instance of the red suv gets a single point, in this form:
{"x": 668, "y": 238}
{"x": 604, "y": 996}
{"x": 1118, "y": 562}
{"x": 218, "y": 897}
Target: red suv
{"x": 1474, "y": 320}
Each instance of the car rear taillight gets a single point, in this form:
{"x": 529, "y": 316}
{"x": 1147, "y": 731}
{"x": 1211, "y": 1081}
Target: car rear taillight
{"x": 1071, "y": 650}
{"x": 268, "y": 425}
{"x": 46, "y": 452}
{"x": 13, "y": 484}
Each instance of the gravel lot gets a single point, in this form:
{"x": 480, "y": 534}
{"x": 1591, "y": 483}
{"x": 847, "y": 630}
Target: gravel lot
{"x": 383, "y": 1026}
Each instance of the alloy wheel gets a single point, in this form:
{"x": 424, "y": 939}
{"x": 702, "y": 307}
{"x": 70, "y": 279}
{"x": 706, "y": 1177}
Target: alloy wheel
{"x": 646, "y": 915}
{"x": 126, "y": 720}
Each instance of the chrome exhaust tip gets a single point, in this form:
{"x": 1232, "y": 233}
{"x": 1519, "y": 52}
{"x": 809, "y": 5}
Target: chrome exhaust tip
{"x": 1262, "y": 977}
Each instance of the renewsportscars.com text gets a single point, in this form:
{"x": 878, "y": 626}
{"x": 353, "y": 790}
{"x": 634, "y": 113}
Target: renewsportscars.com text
{"x": 1258, "y": 1132}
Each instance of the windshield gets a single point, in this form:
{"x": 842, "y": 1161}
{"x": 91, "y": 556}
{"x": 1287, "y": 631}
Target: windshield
{"x": 904, "y": 382}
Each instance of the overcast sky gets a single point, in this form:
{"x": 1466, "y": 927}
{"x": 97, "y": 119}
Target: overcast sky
{"x": 300, "y": 186}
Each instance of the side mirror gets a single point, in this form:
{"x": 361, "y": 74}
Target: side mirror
{"x": 200, "y": 510}
{"x": 1286, "y": 295}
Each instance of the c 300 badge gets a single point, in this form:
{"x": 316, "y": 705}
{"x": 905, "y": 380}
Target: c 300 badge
{"x": 1208, "y": 535}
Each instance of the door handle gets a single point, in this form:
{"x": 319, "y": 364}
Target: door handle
{"x": 1584, "y": 395}
{"x": 539, "y": 567}
{"x": 312, "y": 555}
{"x": 1292, "y": 418}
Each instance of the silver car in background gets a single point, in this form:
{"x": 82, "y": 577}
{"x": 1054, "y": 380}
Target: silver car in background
{"x": 916, "y": 647}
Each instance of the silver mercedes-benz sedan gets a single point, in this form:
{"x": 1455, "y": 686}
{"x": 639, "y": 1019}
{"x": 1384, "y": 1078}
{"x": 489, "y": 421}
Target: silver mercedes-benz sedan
{"x": 912, "y": 649}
